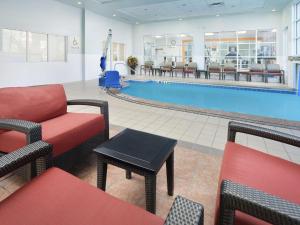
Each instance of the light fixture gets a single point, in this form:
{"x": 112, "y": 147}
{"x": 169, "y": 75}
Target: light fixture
{"x": 274, "y": 10}
{"x": 274, "y": 30}
{"x": 137, "y": 23}
{"x": 217, "y": 15}
{"x": 241, "y": 32}
{"x": 79, "y": 3}
{"x": 180, "y": 19}
{"x": 114, "y": 15}
{"x": 158, "y": 36}
{"x": 209, "y": 34}
{"x": 182, "y": 35}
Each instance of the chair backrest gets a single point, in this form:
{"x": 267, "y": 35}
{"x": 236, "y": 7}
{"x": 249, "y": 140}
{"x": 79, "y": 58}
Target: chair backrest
{"x": 192, "y": 65}
{"x": 229, "y": 67}
{"x": 148, "y": 63}
{"x": 166, "y": 64}
{"x": 273, "y": 67}
{"x": 36, "y": 104}
{"x": 179, "y": 65}
{"x": 257, "y": 67}
{"x": 216, "y": 67}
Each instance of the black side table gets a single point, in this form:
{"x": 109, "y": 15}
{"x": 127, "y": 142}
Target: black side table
{"x": 141, "y": 153}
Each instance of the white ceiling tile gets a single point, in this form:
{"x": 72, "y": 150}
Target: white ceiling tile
{"x": 160, "y": 10}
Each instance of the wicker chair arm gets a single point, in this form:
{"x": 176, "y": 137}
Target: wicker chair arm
{"x": 103, "y": 105}
{"x": 235, "y": 127}
{"x": 185, "y": 212}
{"x": 32, "y": 130}
{"x": 25, "y": 155}
{"x": 256, "y": 203}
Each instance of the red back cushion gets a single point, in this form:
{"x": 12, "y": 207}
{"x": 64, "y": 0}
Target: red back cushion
{"x": 37, "y": 104}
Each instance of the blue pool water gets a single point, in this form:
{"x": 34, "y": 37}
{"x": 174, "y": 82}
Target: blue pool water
{"x": 259, "y": 102}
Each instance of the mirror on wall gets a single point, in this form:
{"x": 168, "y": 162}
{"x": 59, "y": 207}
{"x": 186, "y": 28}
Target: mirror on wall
{"x": 172, "y": 48}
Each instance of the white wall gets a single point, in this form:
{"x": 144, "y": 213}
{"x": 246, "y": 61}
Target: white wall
{"x": 197, "y": 28}
{"x": 288, "y": 44}
{"x": 96, "y": 30}
{"x": 45, "y": 16}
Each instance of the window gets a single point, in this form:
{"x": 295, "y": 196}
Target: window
{"x": 170, "y": 47}
{"x": 37, "y": 47}
{"x": 12, "y": 45}
{"x": 297, "y": 30}
{"x": 266, "y": 46}
{"x": 241, "y": 48}
{"x": 118, "y": 51}
{"x": 56, "y": 48}
{"x": 22, "y": 46}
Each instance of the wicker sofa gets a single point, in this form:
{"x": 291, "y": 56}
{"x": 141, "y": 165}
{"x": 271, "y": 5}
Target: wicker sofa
{"x": 56, "y": 197}
{"x": 29, "y": 114}
{"x": 257, "y": 188}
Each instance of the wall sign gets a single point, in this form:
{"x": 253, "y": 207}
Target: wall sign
{"x": 74, "y": 42}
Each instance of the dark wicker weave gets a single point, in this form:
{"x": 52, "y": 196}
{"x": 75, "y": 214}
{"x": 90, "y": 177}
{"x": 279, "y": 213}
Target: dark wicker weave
{"x": 70, "y": 158}
{"x": 32, "y": 130}
{"x": 235, "y": 127}
{"x": 38, "y": 151}
{"x": 254, "y": 202}
{"x": 185, "y": 212}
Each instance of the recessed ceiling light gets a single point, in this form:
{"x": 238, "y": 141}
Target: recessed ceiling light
{"x": 158, "y": 36}
{"x": 79, "y": 3}
{"x": 209, "y": 34}
{"x": 274, "y": 30}
{"x": 241, "y": 32}
{"x": 137, "y": 23}
{"x": 182, "y": 35}
{"x": 180, "y": 19}
{"x": 217, "y": 15}
{"x": 114, "y": 15}
{"x": 274, "y": 10}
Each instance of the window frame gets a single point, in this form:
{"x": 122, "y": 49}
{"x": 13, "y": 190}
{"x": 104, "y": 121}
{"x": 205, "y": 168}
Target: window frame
{"x": 27, "y": 60}
{"x": 296, "y": 19}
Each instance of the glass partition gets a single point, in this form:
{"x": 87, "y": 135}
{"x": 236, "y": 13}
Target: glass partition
{"x": 172, "y": 48}
{"x": 241, "y": 48}
{"x": 246, "y": 48}
{"x": 266, "y": 46}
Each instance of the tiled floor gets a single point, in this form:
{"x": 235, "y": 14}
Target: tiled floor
{"x": 197, "y": 155}
{"x": 188, "y": 127}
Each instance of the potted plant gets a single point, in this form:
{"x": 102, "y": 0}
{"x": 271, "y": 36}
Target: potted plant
{"x": 132, "y": 63}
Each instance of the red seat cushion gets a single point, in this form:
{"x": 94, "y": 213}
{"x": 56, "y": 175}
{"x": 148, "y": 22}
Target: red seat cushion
{"x": 58, "y": 198}
{"x": 261, "y": 171}
{"x": 64, "y": 132}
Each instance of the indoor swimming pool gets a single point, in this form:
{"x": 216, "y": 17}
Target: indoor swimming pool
{"x": 277, "y": 104}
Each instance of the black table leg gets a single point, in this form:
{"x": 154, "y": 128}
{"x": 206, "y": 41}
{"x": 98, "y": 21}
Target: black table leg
{"x": 128, "y": 174}
{"x": 150, "y": 186}
{"x": 170, "y": 174}
{"x": 101, "y": 173}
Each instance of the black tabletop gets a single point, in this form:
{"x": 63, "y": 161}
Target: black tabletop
{"x": 138, "y": 148}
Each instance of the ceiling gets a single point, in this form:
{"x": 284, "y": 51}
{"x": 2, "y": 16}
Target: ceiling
{"x": 146, "y": 11}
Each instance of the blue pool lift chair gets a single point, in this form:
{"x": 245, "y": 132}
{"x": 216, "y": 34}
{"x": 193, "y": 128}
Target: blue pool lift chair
{"x": 111, "y": 79}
